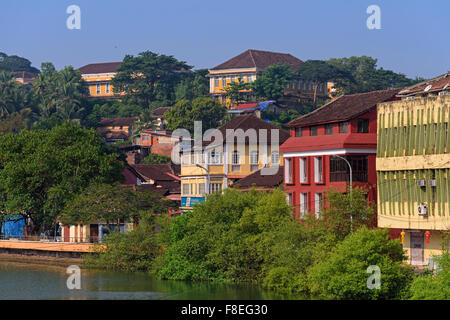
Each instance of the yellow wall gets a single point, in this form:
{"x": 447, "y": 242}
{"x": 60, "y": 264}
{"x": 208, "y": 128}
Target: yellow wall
{"x": 102, "y": 79}
{"x": 399, "y": 168}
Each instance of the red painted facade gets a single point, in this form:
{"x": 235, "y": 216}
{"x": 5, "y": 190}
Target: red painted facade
{"x": 330, "y": 139}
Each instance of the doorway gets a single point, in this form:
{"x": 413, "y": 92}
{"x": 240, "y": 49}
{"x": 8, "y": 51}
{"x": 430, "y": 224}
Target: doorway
{"x": 417, "y": 248}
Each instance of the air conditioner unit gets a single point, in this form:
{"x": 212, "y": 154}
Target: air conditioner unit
{"x": 421, "y": 183}
{"x": 432, "y": 183}
{"x": 422, "y": 210}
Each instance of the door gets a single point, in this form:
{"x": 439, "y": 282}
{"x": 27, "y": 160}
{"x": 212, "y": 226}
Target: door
{"x": 93, "y": 233}
{"x": 417, "y": 248}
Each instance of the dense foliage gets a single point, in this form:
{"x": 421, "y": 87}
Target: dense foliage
{"x": 185, "y": 112}
{"x": 271, "y": 84}
{"x": 41, "y": 170}
{"x": 154, "y": 158}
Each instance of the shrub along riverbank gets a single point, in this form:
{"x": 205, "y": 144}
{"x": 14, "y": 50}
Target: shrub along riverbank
{"x": 251, "y": 237}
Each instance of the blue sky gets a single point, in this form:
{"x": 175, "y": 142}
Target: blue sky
{"x": 203, "y": 33}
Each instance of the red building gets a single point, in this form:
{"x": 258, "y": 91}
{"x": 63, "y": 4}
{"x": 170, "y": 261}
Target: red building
{"x": 347, "y": 127}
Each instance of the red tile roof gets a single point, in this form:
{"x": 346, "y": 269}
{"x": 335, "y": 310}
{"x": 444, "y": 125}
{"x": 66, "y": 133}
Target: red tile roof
{"x": 246, "y": 122}
{"x": 259, "y": 59}
{"x": 107, "y": 122}
{"x": 93, "y": 68}
{"x": 326, "y": 142}
{"x": 256, "y": 179}
{"x": 345, "y": 107}
{"x": 157, "y": 172}
{"x": 436, "y": 84}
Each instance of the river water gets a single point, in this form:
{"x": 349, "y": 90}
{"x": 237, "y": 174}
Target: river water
{"x": 33, "y": 281}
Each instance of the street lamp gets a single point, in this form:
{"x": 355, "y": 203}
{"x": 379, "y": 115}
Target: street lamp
{"x": 351, "y": 178}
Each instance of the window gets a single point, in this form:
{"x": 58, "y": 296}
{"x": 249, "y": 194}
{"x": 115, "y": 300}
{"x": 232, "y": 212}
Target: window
{"x": 363, "y": 125}
{"x": 98, "y": 88}
{"x": 107, "y": 88}
{"x": 343, "y": 127}
{"x": 224, "y": 82}
{"x": 201, "y": 188}
{"x": 329, "y": 129}
{"x": 214, "y": 187}
{"x": 185, "y": 188}
{"x": 318, "y": 172}
{"x": 215, "y": 157}
{"x": 233, "y": 79}
{"x": 216, "y": 82}
{"x": 339, "y": 170}
{"x": 235, "y": 161}
{"x": 275, "y": 157}
{"x": 303, "y": 170}
{"x": 289, "y": 199}
{"x": 253, "y": 160}
{"x": 288, "y": 170}
{"x": 314, "y": 130}
{"x": 303, "y": 204}
{"x": 317, "y": 204}
{"x": 145, "y": 137}
{"x": 298, "y": 132}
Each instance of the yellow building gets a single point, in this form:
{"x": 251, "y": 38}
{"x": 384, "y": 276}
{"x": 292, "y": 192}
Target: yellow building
{"x": 98, "y": 77}
{"x": 413, "y": 167}
{"x": 222, "y": 164}
{"x": 250, "y": 65}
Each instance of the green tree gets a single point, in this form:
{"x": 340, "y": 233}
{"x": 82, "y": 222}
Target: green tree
{"x": 41, "y": 170}
{"x": 271, "y": 84}
{"x": 366, "y": 76}
{"x": 433, "y": 286}
{"x": 61, "y": 93}
{"x": 343, "y": 274}
{"x": 317, "y": 72}
{"x": 148, "y": 77}
{"x": 192, "y": 85}
{"x": 154, "y": 158}
{"x": 14, "y": 97}
{"x": 236, "y": 91}
{"x": 185, "y": 112}
{"x": 15, "y": 63}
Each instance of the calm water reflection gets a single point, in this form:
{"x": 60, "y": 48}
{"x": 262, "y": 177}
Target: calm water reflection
{"x": 27, "y": 281}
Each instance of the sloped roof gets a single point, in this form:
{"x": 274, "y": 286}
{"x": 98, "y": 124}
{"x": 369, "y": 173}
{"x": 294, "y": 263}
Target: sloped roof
{"x": 159, "y": 112}
{"x": 157, "y": 172}
{"x": 439, "y": 83}
{"x": 93, "y": 68}
{"x": 106, "y": 122}
{"x": 246, "y": 122}
{"x": 259, "y": 59}
{"x": 256, "y": 179}
{"x": 345, "y": 107}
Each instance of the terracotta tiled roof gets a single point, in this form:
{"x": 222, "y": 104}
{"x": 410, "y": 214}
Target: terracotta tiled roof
{"x": 157, "y": 172}
{"x": 257, "y": 180}
{"x": 159, "y": 112}
{"x": 246, "y": 122}
{"x": 107, "y": 67}
{"x": 114, "y": 135}
{"x": 436, "y": 84}
{"x": 259, "y": 59}
{"x": 345, "y": 107}
{"x": 107, "y": 122}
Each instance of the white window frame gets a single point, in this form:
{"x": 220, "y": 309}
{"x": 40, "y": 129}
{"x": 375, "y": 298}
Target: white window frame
{"x": 107, "y": 88}
{"x": 275, "y": 157}
{"x": 318, "y": 197}
{"x": 98, "y": 88}
{"x": 288, "y": 170}
{"x": 303, "y": 204}
{"x": 318, "y": 169}
{"x": 303, "y": 163}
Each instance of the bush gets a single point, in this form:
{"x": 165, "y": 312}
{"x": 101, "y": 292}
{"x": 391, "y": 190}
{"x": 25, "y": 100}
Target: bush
{"x": 433, "y": 286}
{"x": 343, "y": 274}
